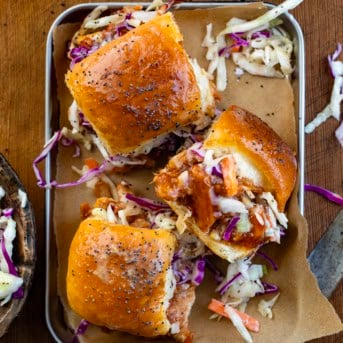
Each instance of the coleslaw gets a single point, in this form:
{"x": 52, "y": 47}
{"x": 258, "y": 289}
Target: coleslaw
{"x": 11, "y": 284}
{"x": 333, "y": 108}
{"x": 259, "y": 47}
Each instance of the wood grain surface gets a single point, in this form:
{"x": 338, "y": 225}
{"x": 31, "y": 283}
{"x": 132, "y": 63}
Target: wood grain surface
{"x": 23, "y": 29}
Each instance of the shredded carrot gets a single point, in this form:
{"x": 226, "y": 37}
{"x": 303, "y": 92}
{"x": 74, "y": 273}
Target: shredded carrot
{"x": 249, "y": 322}
{"x": 91, "y": 163}
{"x": 85, "y": 210}
{"x": 229, "y": 170}
{"x": 235, "y": 48}
{"x": 200, "y": 185}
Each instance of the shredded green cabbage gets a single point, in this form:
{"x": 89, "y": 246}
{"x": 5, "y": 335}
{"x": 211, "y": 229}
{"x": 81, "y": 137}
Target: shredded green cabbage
{"x": 263, "y": 19}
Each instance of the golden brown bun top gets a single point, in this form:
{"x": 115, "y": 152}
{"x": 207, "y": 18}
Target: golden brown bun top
{"x": 117, "y": 275}
{"x": 247, "y": 134}
{"x": 137, "y": 86}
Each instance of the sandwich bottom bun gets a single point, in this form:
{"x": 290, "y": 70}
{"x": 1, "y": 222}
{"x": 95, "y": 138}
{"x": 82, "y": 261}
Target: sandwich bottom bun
{"x": 120, "y": 277}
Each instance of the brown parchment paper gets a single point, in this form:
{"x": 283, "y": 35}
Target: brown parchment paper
{"x": 301, "y": 312}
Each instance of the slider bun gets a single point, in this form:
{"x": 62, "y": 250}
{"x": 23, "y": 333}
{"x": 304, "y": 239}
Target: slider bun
{"x": 244, "y": 133}
{"x": 240, "y": 132}
{"x": 137, "y": 86}
{"x": 120, "y": 277}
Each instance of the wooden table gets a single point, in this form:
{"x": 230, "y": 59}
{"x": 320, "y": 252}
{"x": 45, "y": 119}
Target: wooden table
{"x": 23, "y": 29}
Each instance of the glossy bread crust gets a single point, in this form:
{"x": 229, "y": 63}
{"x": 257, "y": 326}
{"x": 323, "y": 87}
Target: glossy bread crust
{"x": 117, "y": 275}
{"x": 137, "y": 86}
{"x": 245, "y": 133}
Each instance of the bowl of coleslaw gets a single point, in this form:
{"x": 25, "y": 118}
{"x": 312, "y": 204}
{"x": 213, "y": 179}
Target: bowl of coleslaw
{"x": 17, "y": 245}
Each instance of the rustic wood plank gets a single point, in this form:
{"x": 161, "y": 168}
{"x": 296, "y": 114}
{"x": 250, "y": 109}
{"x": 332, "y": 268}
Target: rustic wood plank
{"x": 321, "y": 22}
{"x": 23, "y": 28}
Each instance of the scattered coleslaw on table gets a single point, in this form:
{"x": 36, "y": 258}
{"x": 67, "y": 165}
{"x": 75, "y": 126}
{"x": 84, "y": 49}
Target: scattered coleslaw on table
{"x": 331, "y": 196}
{"x": 333, "y": 108}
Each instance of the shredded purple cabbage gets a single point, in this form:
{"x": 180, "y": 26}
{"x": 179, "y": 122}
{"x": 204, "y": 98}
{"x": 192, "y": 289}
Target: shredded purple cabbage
{"x": 226, "y": 51}
{"x": 333, "y": 57}
{"x": 79, "y": 53}
{"x": 216, "y": 171}
{"x": 65, "y": 141}
{"x": 196, "y": 149}
{"x": 82, "y": 327}
{"x": 89, "y": 175}
{"x": 231, "y": 225}
{"x": 47, "y": 148}
{"x": 85, "y": 123}
{"x": 338, "y": 51}
{"x": 147, "y": 203}
{"x": 176, "y": 256}
{"x": 184, "y": 275}
{"x": 198, "y": 152}
{"x": 19, "y": 293}
{"x": 188, "y": 270}
{"x": 182, "y": 269}
{"x": 268, "y": 288}
{"x": 122, "y": 28}
{"x": 7, "y": 212}
{"x": 261, "y": 34}
{"x": 226, "y": 286}
{"x": 269, "y": 259}
{"x": 334, "y": 197}
{"x": 80, "y": 330}
{"x": 199, "y": 271}
{"x": 41, "y": 182}
{"x": 128, "y": 16}
{"x": 239, "y": 41}
{"x": 11, "y": 267}
{"x": 77, "y": 152}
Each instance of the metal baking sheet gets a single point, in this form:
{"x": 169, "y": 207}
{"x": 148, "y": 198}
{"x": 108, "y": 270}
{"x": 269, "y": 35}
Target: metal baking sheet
{"x": 53, "y": 307}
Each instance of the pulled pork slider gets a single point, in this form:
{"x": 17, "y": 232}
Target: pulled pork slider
{"x": 120, "y": 276}
{"x": 141, "y": 87}
{"x": 231, "y": 190}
